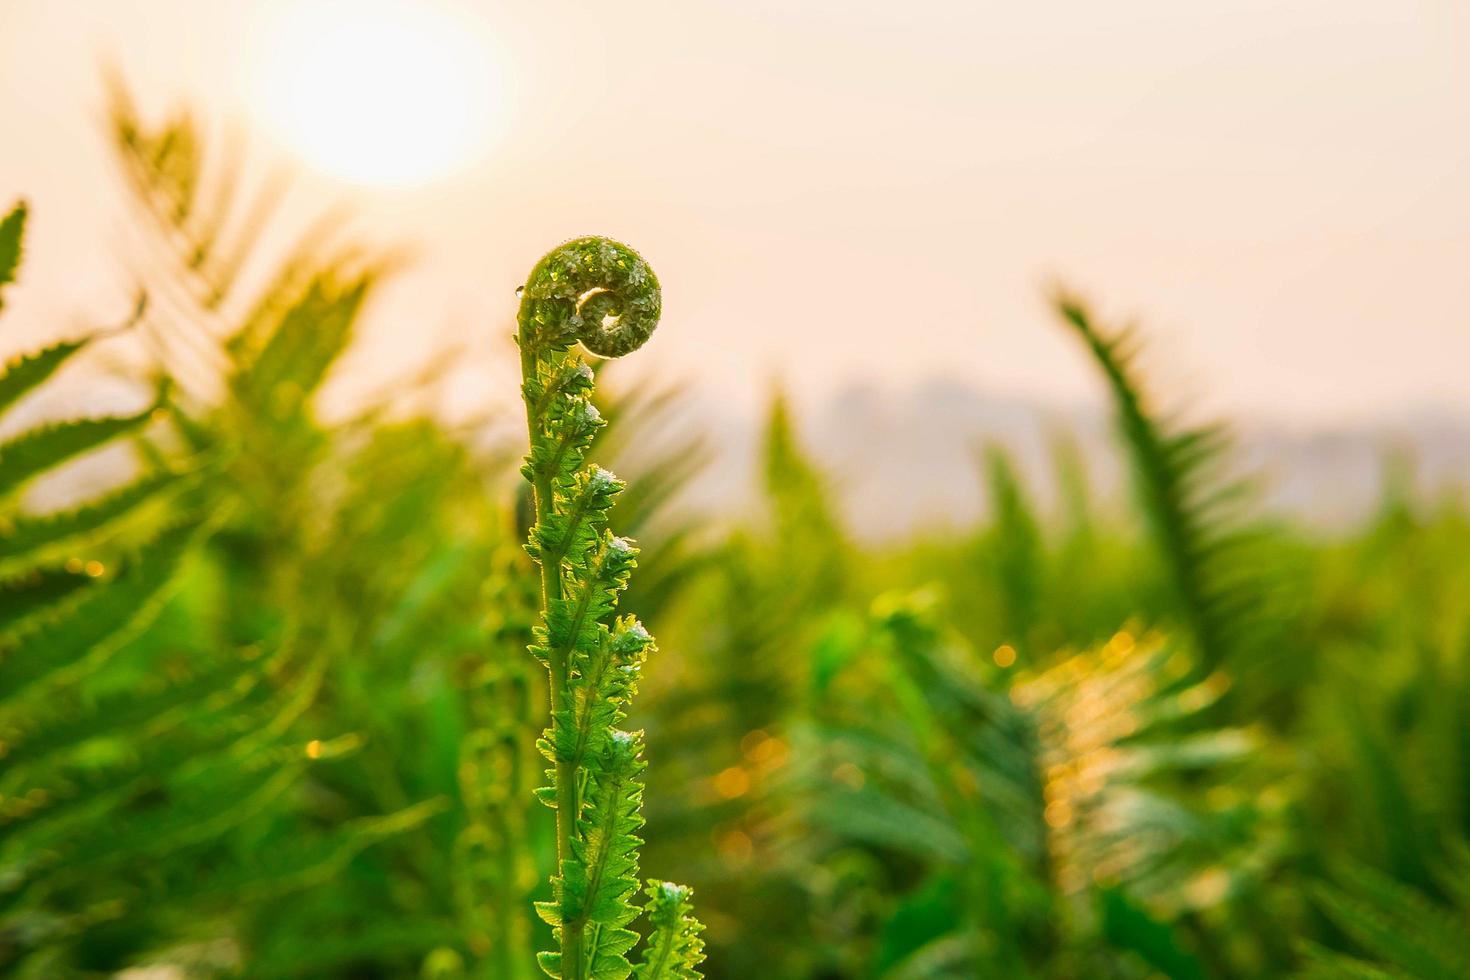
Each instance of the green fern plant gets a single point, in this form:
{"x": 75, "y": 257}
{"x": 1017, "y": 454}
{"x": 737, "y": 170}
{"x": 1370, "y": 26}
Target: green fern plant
{"x": 1224, "y": 591}
{"x": 762, "y": 595}
{"x": 1407, "y": 934}
{"x": 1091, "y": 802}
{"x": 1015, "y": 551}
{"x": 309, "y": 508}
{"x": 601, "y": 294}
{"x": 39, "y": 553}
{"x": 120, "y": 706}
{"x": 76, "y": 586}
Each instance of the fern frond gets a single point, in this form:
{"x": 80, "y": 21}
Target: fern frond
{"x": 180, "y": 741}
{"x": 31, "y": 540}
{"x": 39, "y": 736}
{"x": 23, "y": 374}
{"x": 1125, "y": 754}
{"x": 1017, "y": 550}
{"x": 35, "y": 593}
{"x": 1100, "y": 772}
{"x": 591, "y": 894}
{"x": 798, "y": 493}
{"x": 297, "y": 865}
{"x": 151, "y": 758}
{"x": 310, "y": 336}
{"x": 675, "y": 948}
{"x": 97, "y": 625}
{"x": 167, "y": 771}
{"x": 12, "y": 230}
{"x": 32, "y": 453}
{"x": 1398, "y": 925}
{"x": 1322, "y": 964}
{"x": 195, "y": 210}
{"x": 603, "y": 295}
{"x": 1190, "y": 511}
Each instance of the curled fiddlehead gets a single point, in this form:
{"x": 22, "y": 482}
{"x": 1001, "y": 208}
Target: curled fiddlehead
{"x": 593, "y": 290}
{"x": 603, "y": 295}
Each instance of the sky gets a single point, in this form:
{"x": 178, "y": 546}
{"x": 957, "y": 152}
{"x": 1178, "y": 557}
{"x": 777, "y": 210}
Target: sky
{"x": 833, "y": 194}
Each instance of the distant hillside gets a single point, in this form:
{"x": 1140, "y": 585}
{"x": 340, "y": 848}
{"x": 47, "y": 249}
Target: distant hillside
{"x": 908, "y": 460}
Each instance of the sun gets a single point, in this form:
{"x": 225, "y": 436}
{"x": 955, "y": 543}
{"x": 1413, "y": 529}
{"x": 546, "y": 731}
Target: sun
{"x": 378, "y": 92}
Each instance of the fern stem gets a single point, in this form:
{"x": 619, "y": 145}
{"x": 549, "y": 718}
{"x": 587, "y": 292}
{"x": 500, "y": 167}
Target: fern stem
{"x": 551, "y": 591}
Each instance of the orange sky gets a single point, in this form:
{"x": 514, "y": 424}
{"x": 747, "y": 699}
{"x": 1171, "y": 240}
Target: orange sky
{"x": 870, "y": 191}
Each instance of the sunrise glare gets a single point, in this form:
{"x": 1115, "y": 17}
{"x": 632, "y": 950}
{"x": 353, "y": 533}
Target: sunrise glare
{"x": 378, "y": 92}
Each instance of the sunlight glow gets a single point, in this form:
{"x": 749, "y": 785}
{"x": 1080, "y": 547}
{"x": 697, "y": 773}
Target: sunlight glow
{"x": 379, "y": 92}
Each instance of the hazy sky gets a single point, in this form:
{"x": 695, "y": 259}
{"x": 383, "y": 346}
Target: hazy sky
{"x": 854, "y": 191}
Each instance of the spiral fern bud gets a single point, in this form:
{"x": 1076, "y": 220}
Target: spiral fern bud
{"x": 594, "y": 291}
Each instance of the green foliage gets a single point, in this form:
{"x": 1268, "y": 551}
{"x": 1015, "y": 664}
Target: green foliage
{"x": 30, "y": 454}
{"x": 164, "y": 672}
{"x": 1406, "y": 933}
{"x": 1029, "y": 808}
{"x": 12, "y": 227}
{"x": 674, "y": 948}
{"x": 31, "y": 540}
{"x": 601, "y": 294}
{"x": 26, "y": 373}
{"x": 332, "y": 538}
{"x": 1017, "y": 550}
{"x": 70, "y": 762}
{"x": 1192, "y": 513}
